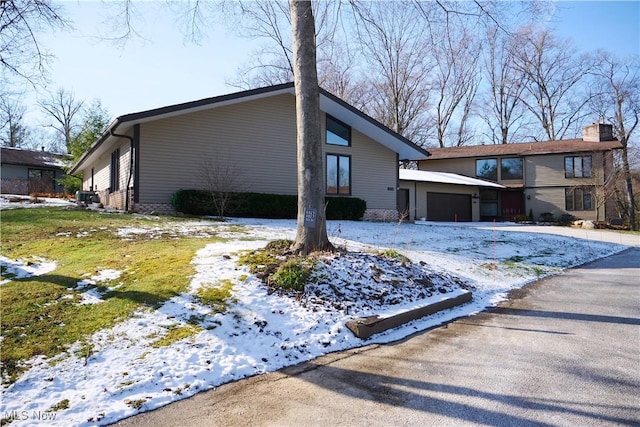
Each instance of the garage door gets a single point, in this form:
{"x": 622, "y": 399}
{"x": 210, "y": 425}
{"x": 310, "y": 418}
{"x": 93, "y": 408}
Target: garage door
{"x": 448, "y": 207}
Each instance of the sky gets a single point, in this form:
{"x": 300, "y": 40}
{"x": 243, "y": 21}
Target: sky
{"x": 261, "y": 331}
{"x": 160, "y": 68}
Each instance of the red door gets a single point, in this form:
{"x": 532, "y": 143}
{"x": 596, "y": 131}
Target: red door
{"x": 512, "y": 204}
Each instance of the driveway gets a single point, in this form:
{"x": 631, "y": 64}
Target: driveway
{"x": 562, "y": 351}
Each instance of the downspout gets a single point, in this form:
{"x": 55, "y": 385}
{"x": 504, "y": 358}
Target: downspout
{"x": 126, "y": 200}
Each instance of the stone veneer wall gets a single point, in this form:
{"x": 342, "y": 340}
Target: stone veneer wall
{"x": 154, "y": 208}
{"x": 384, "y": 215}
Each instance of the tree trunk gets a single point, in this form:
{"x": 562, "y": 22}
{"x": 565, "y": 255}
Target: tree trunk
{"x": 311, "y": 234}
{"x": 629, "y": 186}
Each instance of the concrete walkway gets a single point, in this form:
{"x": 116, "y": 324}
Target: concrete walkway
{"x": 564, "y": 351}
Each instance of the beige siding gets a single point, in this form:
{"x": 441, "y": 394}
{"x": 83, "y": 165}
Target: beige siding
{"x": 258, "y": 138}
{"x": 465, "y": 167}
{"x": 374, "y": 171}
{"x": 548, "y": 170}
{"x": 102, "y": 176}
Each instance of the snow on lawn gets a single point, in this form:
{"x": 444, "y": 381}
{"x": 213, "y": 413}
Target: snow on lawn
{"x": 128, "y": 372}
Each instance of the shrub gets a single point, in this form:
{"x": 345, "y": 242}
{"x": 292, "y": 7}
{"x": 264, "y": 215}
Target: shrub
{"x": 261, "y": 205}
{"x": 546, "y": 217}
{"x": 293, "y": 275}
{"x": 520, "y": 218}
{"x": 566, "y": 219}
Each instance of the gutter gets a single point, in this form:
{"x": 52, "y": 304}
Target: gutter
{"x": 131, "y": 144}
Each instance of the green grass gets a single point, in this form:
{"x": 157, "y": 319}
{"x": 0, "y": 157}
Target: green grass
{"x": 175, "y": 334}
{"x": 216, "y": 297}
{"x": 37, "y": 320}
{"x": 292, "y": 274}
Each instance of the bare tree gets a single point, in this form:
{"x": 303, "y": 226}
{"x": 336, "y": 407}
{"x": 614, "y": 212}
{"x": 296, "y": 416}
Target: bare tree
{"x": 505, "y": 89}
{"x": 455, "y": 82}
{"x": 22, "y": 55}
{"x": 618, "y": 102}
{"x": 63, "y": 109}
{"x": 553, "y": 77}
{"x": 222, "y": 179}
{"x": 311, "y": 233}
{"x": 396, "y": 46}
{"x": 14, "y": 132}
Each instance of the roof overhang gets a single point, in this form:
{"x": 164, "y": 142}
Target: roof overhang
{"x": 445, "y": 178}
{"x": 328, "y": 103}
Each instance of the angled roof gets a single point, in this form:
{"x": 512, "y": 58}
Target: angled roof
{"x": 523, "y": 149}
{"x": 33, "y": 158}
{"x": 444, "y": 178}
{"x": 329, "y": 103}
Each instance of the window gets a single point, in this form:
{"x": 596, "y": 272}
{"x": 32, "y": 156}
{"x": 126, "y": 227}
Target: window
{"x": 41, "y": 181}
{"x": 511, "y": 168}
{"x": 487, "y": 169}
{"x": 337, "y": 132}
{"x": 577, "y": 167}
{"x": 115, "y": 171}
{"x": 578, "y": 199}
{"x": 338, "y": 174}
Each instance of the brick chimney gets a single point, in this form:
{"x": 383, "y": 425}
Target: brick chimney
{"x": 597, "y": 132}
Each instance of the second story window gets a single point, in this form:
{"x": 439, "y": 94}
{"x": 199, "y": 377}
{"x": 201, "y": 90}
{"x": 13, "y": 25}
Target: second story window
{"x": 577, "y": 167}
{"x": 487, "y": 169}
{"x": 338, "y": 133}
{"x": 511, "y": 168}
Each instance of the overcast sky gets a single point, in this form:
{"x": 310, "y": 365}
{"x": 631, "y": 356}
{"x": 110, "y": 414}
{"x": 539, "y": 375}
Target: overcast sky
{"x": 162, "y": 69}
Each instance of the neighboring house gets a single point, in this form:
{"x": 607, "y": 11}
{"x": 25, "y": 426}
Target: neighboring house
{"x": 554, "y": 177}
{"x": 440, "y": 196}
{"x": 143, "y": 158}
{"x": 31, "y": 171}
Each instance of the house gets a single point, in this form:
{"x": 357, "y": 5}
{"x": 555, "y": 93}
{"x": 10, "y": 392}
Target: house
{"x": 143, "y": 158}
{"x": 31, "y": 171}
{"x": 551, "y": 178}
{"x": 441, "y": 196}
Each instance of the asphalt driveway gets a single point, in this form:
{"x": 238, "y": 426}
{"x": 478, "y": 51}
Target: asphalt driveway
{"x": 563, "y": 351}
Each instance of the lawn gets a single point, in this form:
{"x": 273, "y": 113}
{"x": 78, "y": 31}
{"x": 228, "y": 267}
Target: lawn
{"x": 41, "y": 315}
{"x": 107, "y": 315}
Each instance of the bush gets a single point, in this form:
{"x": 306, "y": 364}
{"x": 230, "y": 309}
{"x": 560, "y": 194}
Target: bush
{"x": 566, "y": 219}
{"x": 292, "y": 275}
{"x": 546, "y": 217}
{"x": 260, "y": 205}
{"x": 520, "y": 218}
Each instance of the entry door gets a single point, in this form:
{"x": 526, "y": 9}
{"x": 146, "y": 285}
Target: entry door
{"x": 448, "y": 207}
{"x": 403, "y": 203}
{"x": 512, "y": 204}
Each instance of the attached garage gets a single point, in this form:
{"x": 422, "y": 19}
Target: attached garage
{"x": 440, "y": 196}
{"x": 449, "y": 207}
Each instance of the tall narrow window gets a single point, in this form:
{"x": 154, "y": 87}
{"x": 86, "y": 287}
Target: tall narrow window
{"x": 577, "y": 167}
{"x": 338, "y": 174}
{"x": 338, "y": 133}
{"x": 115, "y": 171}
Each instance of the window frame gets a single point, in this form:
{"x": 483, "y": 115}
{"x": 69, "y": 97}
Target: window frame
{"x": 578, "y": 199}
{"x": 495, "y": 159}
{"x": 338, "y": 185}
{"x": 114, "y": 178}
{"x": 570, "y": 170}
{"x": 502, "y": 169}
{"x": 337, "y": 122}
